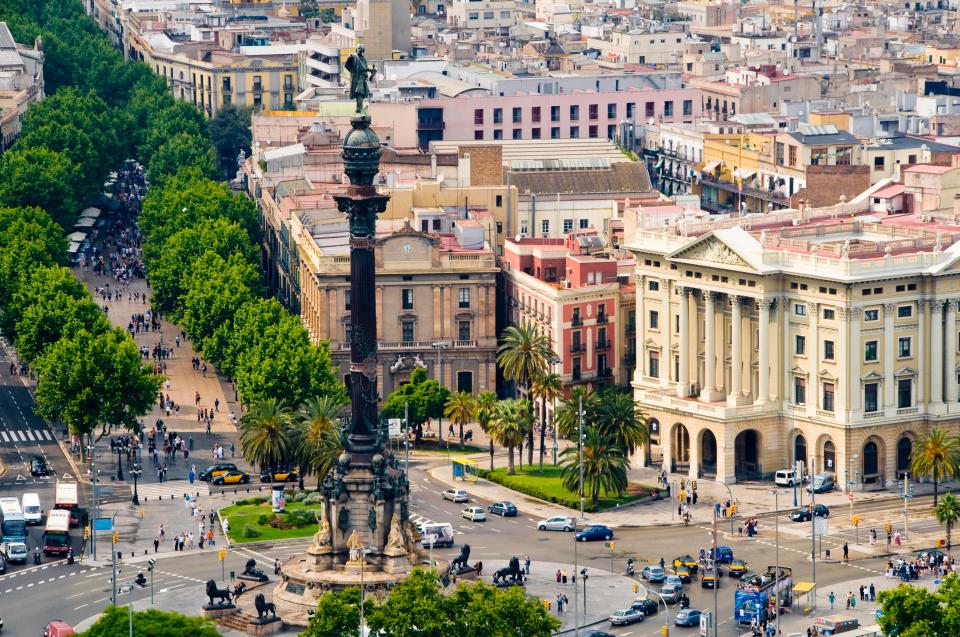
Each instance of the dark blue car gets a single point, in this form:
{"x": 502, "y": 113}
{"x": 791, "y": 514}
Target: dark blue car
{"x": 724, "y": 554}
{"x": 503, "y": 508}
{"x": 595, "y": 532}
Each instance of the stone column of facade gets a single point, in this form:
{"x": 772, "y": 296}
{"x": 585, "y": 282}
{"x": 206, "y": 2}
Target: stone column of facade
{"x": 844, "y": 380}
{"x": 855, "y": 350}
{"x": 813, "y": 358}
{"x": 736, "y": 396}
{"x": 950, "y": 358}
{"x": 666, "y": 329}
{"x": 683, "y": 383}
{"x": 638, "y": 370}
{"x": 921, "y": 396}
{"x": 763, "y": 385}
{"x": 936, "y": 355}
{"x": 889, "y": 357}
{"x": 786, "y": 356}
{"x": 709, "y": 392}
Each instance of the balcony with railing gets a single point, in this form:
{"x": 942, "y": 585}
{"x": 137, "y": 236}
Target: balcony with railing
{"x": 602, "y": 319}
{"x": 576, "y": 348}
{"x": 601, "y": 345}
{"x": 576, "y": 321}
{"x": 606, "y": 372}
{"x": 631, "y": 329}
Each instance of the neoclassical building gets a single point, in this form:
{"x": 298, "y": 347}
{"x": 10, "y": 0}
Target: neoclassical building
{"x": 827, "y": 335}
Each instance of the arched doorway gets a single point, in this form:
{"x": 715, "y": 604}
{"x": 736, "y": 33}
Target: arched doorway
{"x": 873, "y": 461}
{"x": 800, "y": 449}
{"x": 870, "y": 457}
{"x": 747, "y": 455}
{"x": 829, "y": 457}
{"x": 708, "y": 454}
{"x": 904, "y": 450}
{"x": 680, "y": 447}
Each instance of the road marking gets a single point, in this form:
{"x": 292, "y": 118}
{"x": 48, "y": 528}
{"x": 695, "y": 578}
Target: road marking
{"x": 81, "y": 606}
{"x": 46, "y": 434}
{"x": 30, "y": 435}
{"x": 6, "y": 438}
{"x": 22, "y": 437}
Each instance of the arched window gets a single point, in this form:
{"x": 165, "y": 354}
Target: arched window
{"x": 800, "y": 449}
{"x": 870, "y": 466}
{"x": 829, "y": 456}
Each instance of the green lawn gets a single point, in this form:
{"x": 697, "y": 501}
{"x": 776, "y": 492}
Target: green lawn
{"x": 241, "y": 515}
{"x": 547, "y": 484}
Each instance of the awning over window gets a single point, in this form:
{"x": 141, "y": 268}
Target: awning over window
{"x": 743, "y": 173}
{"x": 658, "y": 164}
{"x": 711, "y": 166}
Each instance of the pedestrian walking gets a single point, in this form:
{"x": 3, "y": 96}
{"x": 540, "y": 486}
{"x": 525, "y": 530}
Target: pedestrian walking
{"x": 831, "y": 598}
{"x": 276, "y": 566}
{"x": 558, "y": 576}
{"x": 232, "y": 450}
{"x": 846, "y": 552}
{"x": 526, "y": 564}
{"x": 156, "y": 544}
{"x": 873, "y": 592}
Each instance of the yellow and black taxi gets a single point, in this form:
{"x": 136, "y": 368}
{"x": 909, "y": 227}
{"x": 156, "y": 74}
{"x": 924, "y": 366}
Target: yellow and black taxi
{"x": 217, "y": 470}
{"x": 684, "y": 572}
{"x": 234, "y": 476}
{"x": 710, "y": 577}
{"x": 737, "y": 568}
{"x": 686, "y": 560}
{"x": 280, "y": 475}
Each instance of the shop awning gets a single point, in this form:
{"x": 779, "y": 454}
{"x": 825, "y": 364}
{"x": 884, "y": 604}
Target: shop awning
{"x": 77, "y": 236}
{"x": 743, "y": 173}
{"x": 711, "y": 166}
{"x": 658, "y": 164}
{"x": 74, "y": 247}
{"x": 85, "y": 222}
{"x": 93, "y": 213}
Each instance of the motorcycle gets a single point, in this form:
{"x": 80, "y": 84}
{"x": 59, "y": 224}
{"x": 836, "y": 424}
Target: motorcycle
{"x": 684, "y": 602}
{"x": 630, "y": 569}
{"x": 36, "y": 556}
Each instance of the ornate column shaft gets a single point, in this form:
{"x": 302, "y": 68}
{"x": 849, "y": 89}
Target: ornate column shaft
{"x": 683, "y": 383}
{"x": 889, "y": 358}
{"x": 936, "y": 354}
{"x": 856, "y": 355}
{"x": 736, "y": 396}
{"x": 813, "y": 358}
{"x": 763, "y": 385}
{"x": 709, "y": 391}
{"x": 950, "y": 358}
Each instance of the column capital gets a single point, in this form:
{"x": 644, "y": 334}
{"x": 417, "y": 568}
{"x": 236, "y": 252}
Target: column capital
{"x": 813, "y": 307}
{"x": 950, "y": 305}
{"x": 936, "y": 305}
{"x": 888, "y": 309}
{"x": 735, "y": 299}
{"x": 921, "y": 307}
{"x": 765, "y": 304}
{"x": 843, "y": 313}
{"x": 683, "y": 290}
{"x": 710, "y": 295}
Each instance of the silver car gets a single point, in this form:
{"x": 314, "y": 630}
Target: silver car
{"x": 456, "y": 495}
{"x": 556, "y": 523}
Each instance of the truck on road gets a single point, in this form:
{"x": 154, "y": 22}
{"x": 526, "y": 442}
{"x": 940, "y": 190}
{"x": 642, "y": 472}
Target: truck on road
{"x": 66, "y": 498}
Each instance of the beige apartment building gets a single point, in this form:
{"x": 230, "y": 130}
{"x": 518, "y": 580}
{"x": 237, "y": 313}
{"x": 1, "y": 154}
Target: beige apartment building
{"x": 828, "y": 336}
{"x": 21, "y": 83}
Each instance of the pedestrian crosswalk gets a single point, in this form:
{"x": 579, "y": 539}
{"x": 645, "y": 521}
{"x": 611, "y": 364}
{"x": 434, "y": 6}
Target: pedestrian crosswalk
{"x": 172, "y": 489}
{"x": 26, "y": 435}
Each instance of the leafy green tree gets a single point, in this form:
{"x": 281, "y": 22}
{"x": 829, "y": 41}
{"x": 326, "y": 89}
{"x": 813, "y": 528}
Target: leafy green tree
{"x": 328, "y": 15}
{"x": 620, "y": 417}
{"x": 41, "y": 283}
{"x": 246, "y": 327}
{"x": 511, "y": 422}
{"x": 316, "y": 435}
{"x": 179, "y": 118}
{"x": 29, "y": 240}
{"x": 265, "y": 434}
{"x": 337, "y": 615}
{"x": 524, "y": 354}
{"x": 486, "y": 412}
{"x": 175, "y": 263}
{"x": 911, "y": 611}
{"x": 230, "y": 130}
{"x": 115, "y": 622}
{"x": 43, "y": 178}
{"x": 461, "y": 408}
{"x": 415, "y": 608}
{"x": 566, "y": 417}
{"x": 181, "y": 150}
{"x": 215, "y": 290}
{"x": 425, "y": 396}
{"x": 937, "y": 455}
{"x": 546, "y": 387}
{"x": 604, "y": 465}
{"x": 95, "y": 380}
{"x": 486, "y": 610}
{"x": 947, "y": 513}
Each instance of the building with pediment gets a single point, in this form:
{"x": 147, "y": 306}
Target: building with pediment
{"x": 824, "y": 335}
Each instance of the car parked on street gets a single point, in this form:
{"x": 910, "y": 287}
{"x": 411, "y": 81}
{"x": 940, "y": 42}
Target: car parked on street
{"x": 595, "y": 532}
{"x": 625, "y": 617}
{"x": 687, "y": 617}
{"x": 474, "y": 514}
{"x": 653, "y": 573}
{"x": 456, "y": 495}
{"x": 803, "y": 514}
{"x": 503, "y": 509}
{"x": 556, "y": 523}
{"x": 599, "y": 633}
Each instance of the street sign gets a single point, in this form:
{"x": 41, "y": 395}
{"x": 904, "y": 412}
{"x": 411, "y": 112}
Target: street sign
{"x": 222, "y": 553}
{"x": 103, "y": 524}
{"x": 819, "y": 525}
{"x": 878, "y": 613}
{"x": 395, "y": 427}
{"x": 706, "y": 623}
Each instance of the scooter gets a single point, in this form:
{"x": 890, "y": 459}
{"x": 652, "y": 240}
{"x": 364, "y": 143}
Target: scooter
{"x": 36, "y": 556}
{"x": 630, "y": 570}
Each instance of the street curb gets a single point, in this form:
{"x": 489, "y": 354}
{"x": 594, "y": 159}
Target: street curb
{"x": 78, "y": 474}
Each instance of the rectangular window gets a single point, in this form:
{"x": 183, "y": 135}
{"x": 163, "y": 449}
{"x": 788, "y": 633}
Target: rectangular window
{"x": 594, "y": 132}
{"x": 653, "y": 365}
{"x": 828, "y": 350}
{"x": 567, "y": 225}
{"x": 687, "y": 108}
{"x": 654, "y": 320}
{"x": 498, "y": 201}
{"x": 799, "y": 391}
{"x": 535, "y": 133}
{"x": 903, "y": 347}
{"x": 584, "y": 224}
{"x": 464, "y": 297}
{"x": 478, "y": 117}
{"x": 574, "y": 112}
{"x": 545, "y": 228}
{"x": 904, "y": 311}
{"x": 574, "y": 132}
{"x": 668, "y": 108}
{"x": 463, "y": 330}
{"x": 828, "y": 391}
{"x": 257, "y": 83}
{"x": 517, "y": 115}
{"x": 904, "y": 393}
{"x": 498, "y": 116}
{"x": 478, "y": 134}
{"x": 630, "y": 107}
{"x": 497, "y": 133}
{"x": 611, "y": 111}
{"x": 554, "y": 132}
{"x": 407, "y": 294}
{"x": 871, "y": 315}
{"x": 594, "y": 111}
{"x": 649, "y": 110}
{"x": 870, "y": 351}
{"x": 518, "y": 133}
{"x": 870, "y": 397}
{"x": 653, "y": 286}
{"x": 535, "y": 114}
{"x": 800, "y": 345}
{"x": 554, "y": 113}
{"x": 407, "y": 327}
{"x": 828, "y": 314}
{"x": 792, "y": 154}
{"x": 800, "y": 309}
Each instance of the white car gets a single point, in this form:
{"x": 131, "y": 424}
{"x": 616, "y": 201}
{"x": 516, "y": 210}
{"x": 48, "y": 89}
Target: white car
{"x": 474, "y": 514}
{"x": 456, "y": 495}
{"x": 556, "y": 523}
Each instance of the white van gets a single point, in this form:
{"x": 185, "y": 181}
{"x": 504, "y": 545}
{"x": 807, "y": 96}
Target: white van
{"x": 786, "y": 478}
{"x": 437, "y": 535}
{"x": 30, "y": 504}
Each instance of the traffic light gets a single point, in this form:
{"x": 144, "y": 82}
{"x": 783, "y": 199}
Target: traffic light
{"x": 86, "y": 532}
{"x": 612, "y": 544}
{"x": 116, "y": 537}
{"x": 664, "y": 631}
{"x": 888, "y": 528}
{"x": 693, "y": 485}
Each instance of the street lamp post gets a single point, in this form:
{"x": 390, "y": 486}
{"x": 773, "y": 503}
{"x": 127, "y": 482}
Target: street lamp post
{"x": 584, "y": 577}
{"x": 150, "y": 564}
{"x": 119, "y": 449}
{"x": 136, "y": 472}
{"x": 580, "y": 454}
{"x": 776, "y": 532}
{"x": 576, "y": 601}
{"x": 666, "y": 625}
{"x": 113, "y": 555}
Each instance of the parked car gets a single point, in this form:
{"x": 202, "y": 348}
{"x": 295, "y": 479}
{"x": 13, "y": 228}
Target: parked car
{"x": 217, "y": 470}
{"x": 456, "y": 495}
{"x": 556, "y": 523}
{"x": 503, "y": 508}
{"x": 709, "y": 578}
{"x": 653, "y": 573}
{"x": 280, "y": 475}
{"x": 687, "y": 617}
{"x": 595, "y": 532}
{"x": 233, "y": 477}
{"x": 38, "y": 466}
{"x": 625, "y": 617}
{"x": 786, "y": 478}
{"x": 737, "y": 568}
{"x": 724, "y": 554}
{"x": 803, "y": 514}
{"x": 58, "y": 629}
{"x": 671, "y": 593}
{"x": 474, "y": 514}
{"x": 599, "y": 633}
{"x": 646, "y": 606}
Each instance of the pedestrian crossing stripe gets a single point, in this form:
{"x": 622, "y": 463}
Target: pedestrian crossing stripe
{"x": 29, "y": 435}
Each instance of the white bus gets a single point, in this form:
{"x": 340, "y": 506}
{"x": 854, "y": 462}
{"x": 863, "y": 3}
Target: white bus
{"x": 56, "y": 537}
{"x": 13, "y": 528}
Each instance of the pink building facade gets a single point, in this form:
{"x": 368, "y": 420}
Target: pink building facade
{"x": 579, "y": 115}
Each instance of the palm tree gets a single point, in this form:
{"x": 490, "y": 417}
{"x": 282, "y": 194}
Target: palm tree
{"x": 604, "y": 465}
{"x": 265, "y": 434}
{"x": 619, "y": 415}
{"x": 948, "y": 513}
{"x": 524, "y": 354}
{"x": 510, "y": 426}
{"x": 547, "y": 387}
{"x": 936, "y": 455}
{"x": 565, "y": 417}
{"x": 316, "y": 436}
{"x": 486, "y": 405}
{"x": 461, "y": 408}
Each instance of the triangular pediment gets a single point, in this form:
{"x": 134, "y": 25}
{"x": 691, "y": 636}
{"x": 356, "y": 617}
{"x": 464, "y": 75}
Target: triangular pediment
{"x": 797, "y": 370}
{"x": 826, "y": 375}
{"x": 872, "y": 377}
{"x": 651, "y": 344}
{"x": 732, "y": 247}
{"x": 906, "y": 371}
